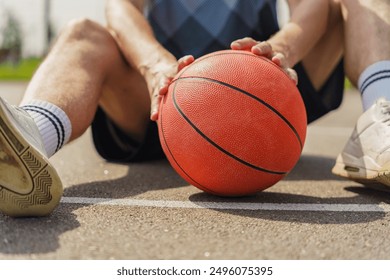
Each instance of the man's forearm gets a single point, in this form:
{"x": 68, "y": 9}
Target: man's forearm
{"x": 134, "y": 34}
{"x": 307, "y": 25}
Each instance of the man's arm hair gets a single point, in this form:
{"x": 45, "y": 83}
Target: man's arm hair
{"x": 133, "y": 34}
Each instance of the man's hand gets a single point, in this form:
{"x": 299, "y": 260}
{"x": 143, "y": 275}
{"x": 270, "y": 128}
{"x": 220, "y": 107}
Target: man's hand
{"x": 265, "y": 49}
{"x": 160, "y": 81}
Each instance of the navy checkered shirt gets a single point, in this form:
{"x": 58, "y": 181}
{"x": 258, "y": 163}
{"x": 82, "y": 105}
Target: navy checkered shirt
{"x": 199, "y": 27}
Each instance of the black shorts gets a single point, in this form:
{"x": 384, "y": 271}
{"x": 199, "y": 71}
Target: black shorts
{"x": 113, "y": 145}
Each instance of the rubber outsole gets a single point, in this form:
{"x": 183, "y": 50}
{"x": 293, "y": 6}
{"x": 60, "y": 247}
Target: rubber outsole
{"x": 379, "y": 180}
{"x": 42, "y": 189}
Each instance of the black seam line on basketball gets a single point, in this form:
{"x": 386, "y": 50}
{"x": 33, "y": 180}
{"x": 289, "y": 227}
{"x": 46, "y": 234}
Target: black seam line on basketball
{"x": 219, "y": 147}
{"x": 372, "y": 75}
{"x": 169, "y": 150}
{"x": 373, "y": 81}
{"x": 254, "y": 97}
{"x": 59, "y": 141}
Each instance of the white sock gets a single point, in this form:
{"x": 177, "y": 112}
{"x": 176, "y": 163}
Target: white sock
{"x": 374, "y": 83}
{"x": 53, "y": 124}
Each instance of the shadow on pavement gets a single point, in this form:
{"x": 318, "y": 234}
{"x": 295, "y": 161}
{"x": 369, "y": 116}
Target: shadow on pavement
{"x": 140, "y": 178}
{"x": 311, "y": 167}
{"x": 41, "y": 235}
{"x": 364, "y": 196}
{"x": 35, "y": 235}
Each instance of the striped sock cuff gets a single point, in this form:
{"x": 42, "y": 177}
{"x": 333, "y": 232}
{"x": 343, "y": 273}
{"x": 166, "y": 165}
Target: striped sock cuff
{"x": 53, "y": 124}
{"x": 375, "y": 72}
{"x": 374, "y": 83}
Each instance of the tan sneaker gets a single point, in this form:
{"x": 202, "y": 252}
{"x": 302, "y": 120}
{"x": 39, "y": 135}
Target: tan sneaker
{"x": 366, "y": 156}
{"x": 29, "y": 185}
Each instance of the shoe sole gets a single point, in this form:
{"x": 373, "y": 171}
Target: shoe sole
{"x": 43, "y": 185}
{"x": 372, "y": 178}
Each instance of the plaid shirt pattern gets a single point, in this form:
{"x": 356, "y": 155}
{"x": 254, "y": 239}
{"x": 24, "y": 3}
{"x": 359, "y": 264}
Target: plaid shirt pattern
{"x": 198, "y": 27}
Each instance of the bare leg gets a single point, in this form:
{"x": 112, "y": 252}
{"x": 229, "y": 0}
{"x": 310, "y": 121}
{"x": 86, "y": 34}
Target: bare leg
{"x": 85, "y": 68}
{"x": 325, "y": 56}
{"x": 367, "y": 34}
{"x": 365, "y": 157}
{"x": 357, "y": 29}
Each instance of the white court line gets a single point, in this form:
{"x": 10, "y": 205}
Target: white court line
{"x": 382, "y": 207}
{"x": 329, "y": 130}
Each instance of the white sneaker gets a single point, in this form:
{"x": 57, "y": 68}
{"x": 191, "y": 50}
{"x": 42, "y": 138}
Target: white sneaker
{"x": 29, "y": 185}
{"x": 366, "y": 156}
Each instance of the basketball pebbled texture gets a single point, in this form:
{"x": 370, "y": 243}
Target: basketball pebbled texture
{"x": 232, "y": 123}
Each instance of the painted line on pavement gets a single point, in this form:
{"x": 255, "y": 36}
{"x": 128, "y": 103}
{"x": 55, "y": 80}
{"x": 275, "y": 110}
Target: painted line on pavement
{"x": 382, "y": 207}
{"x": 330, "y": 130}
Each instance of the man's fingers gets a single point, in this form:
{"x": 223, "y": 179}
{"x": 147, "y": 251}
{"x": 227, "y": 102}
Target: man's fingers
{"x": 184, "y": 61}
{"x": 157, "y": 97}
{"x": 155, "y": 108}
{"x": 256, "y": 47}
{"x": 243, "y": 44}
{"x": 279, "y": 60}
{"x": 164, "y": 89}
{"x": 263, "y": 49}
{"x": 293, "y": 75}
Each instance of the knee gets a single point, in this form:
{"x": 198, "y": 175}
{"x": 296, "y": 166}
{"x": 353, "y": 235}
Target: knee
{"x": 85, "y": 29}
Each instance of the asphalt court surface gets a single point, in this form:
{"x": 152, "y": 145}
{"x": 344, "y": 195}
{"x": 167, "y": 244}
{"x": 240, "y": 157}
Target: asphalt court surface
{"x": 146, "y": 211}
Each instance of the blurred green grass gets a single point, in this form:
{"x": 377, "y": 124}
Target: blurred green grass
{"x": 21, "y": 71}
{"x": 347, "y": 84}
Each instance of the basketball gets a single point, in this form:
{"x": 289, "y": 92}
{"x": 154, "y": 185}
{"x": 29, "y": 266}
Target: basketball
{"x": 232, "y": 123}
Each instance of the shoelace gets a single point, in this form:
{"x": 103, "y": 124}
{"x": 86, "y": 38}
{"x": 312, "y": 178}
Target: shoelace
{"x": 386, "y": 112}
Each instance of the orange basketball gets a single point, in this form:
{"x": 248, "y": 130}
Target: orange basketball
{"x": 232, "y": 123}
